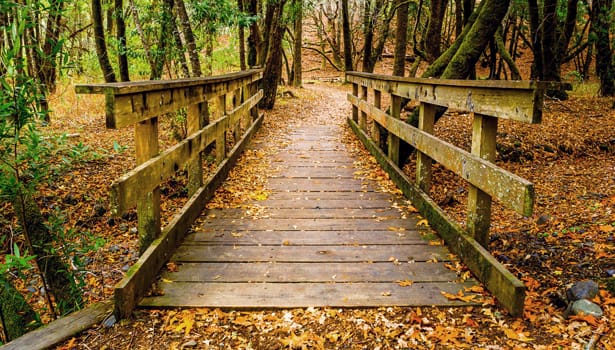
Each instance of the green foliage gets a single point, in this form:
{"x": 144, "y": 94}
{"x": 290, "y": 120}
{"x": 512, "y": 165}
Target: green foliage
{"x": 16, "y": 262}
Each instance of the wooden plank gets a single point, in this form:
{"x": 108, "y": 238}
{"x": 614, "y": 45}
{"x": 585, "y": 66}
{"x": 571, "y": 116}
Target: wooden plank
{"x": 516, "y": 100}
{"x": 393, "y": 139}
{"x": 300, "y": 295}
{"x": 236, "y": 237}
{"x": 315, "y": 185}
{"x": 427, "y": 116}
{"x": 499, "y": 281}
{"x": 339, "y": 172}
{"x": 197, "y": 117}
{"x": 325, "y": 196}
{"x": 511, "y": 190}
{"x": 132, "y": 102}
{"x": 308, "y": 224}
{"x": 62, "y": 328}
{"x": 147, "y": 176}
{"x": 130, "y": 290}
{"x": 304, "y": 213}
{"x": 298, "y": 202}
{"x": 364, "y": 253}
{"x": 310, "y": 272}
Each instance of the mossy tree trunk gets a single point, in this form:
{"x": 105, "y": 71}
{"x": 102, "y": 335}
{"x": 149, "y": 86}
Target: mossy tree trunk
{"x": 16, "y": 314}
{"x": 101, "y": 43}
{"x": 59, "y": 280}
{"x": 604, "y": 55}
{"x": 273, "y": 66}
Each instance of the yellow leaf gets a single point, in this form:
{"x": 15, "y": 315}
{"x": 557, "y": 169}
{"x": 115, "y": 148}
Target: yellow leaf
{"x": 386, "y": 294}
{"x": 404, "y": 283}
{"x": 166, "y": 280}
{"x": 423, "y": 222}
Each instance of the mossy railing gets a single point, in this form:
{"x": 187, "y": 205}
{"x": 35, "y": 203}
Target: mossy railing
{"x": 487, "y": 101}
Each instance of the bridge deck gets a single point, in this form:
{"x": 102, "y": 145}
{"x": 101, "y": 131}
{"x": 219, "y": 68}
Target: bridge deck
{"x": 322, "y": 238}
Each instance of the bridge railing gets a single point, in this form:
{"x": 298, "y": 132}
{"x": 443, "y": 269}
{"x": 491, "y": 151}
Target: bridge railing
{"x": 487, "y": 101}
{"x": 141, "y": 104}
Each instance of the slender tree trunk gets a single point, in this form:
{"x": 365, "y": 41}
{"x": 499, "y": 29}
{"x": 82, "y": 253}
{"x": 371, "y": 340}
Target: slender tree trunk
{"x": 56, "y": 274}
{"x": 193, "y": 51}
{"x": 514, "y": 70}
{"x": 16, "y": 314}
{"x": 458, "y": 17}
{"x": 273, "y": 66}
{"x": 347, "y": 34}
{"x": 254, "y": 39}
{"x": 297, "y": 66}
{"x": 368, "y": 34}
{"x": 268, "y": 30}
{"x": 434, "y": 29}
{"x": 144, "y": 41}
{"x": 242, "y": 39}
{"x": 535, "y": 32}
{"x": 121, "y": 40}
{"x": 166, "y": 27}
{"x": 181, "y": 50}
{"x": 101, "y": 43}
{"x": 604, "y": 54}
{"x": 401, "y": 38}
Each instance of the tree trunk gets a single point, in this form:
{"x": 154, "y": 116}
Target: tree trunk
{"x": 17, "y": 316}
{"x": 477, "y": 38}
{"x": 268, "y": 30}
{"x": 181, "y": 49}
{"x": 101, "y": 43}
{"x": 604, "y": 55}
{"x": 242, "y": 39}
{"x": 166, "y": 27}
{"x": 434, "y": 29}
{"x": 368, "y": 34}
{"x": 297, "y": 52}
{"x": 458, "y": 17}
{"x": 401, "y": 38}
{"x": 347, "y": 34}
{"x": 48, "y": 70}
{"x": 273, "y": 66}
{"x": 121, "y": 40}
{"x": 193, "y": 51}
{"x": 254, "y": 39}
{"x": 55, "y": 273}
{"x": 144, "y": 41}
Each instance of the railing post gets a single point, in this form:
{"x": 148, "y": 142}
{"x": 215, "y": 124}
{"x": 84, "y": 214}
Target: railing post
{"x": 427, "y": 113}
{"x": 355, "y": 110}
{"x": 375, "y": 126}
{"x": 363, "y": 118}
{"x": 221, "y": 139}
{"x": 197, "y": 118}
{"x": 236, "y": 102}
{"x": 252, "y": 91}
{"x": 148, "y": 206}
{"x": 393, "y": 140}
{"x": 484, "y": 130}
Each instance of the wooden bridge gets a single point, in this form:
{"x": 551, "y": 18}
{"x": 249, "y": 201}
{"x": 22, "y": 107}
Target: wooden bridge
{"x": 329, "y": 239}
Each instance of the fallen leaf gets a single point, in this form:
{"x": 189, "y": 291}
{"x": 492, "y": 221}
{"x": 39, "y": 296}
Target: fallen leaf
{"x": 404, "y": 283}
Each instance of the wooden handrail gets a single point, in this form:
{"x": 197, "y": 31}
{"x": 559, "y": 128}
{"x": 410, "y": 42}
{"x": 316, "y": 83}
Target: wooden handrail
{"x": 141, "y": 104}
{"x": 486, "y": 101}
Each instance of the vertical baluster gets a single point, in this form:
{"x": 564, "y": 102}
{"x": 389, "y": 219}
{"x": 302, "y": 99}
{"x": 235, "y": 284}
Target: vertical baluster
{"x": 427, "y": 114}
{"x": 148, "y": 206}
{"x": 197, "y": 118}
{"x": 392, "y": 139}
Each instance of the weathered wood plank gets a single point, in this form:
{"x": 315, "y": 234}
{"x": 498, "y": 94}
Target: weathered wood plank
{"x": 297, "y": 295}
{"x": 315, "y": 172}
{"x": 365, "y": 195}
{"x": 304, "y": 213}
{"x": 499, "y": 281}
{"x": 130, "y": 290}
{"x": 297, "y": 201}
{"x": 127, "y": 189}
{"x": 307, "y": 224}
{"x": 62, "y": 328}
{"x": 232, "y": 237}
{"x": 516, "y": 100}
{"x": 509, "y": 189}
{"x": 315, "y": 185}
{"x": 364, "y": 253}
{"x": 310, "y": 272}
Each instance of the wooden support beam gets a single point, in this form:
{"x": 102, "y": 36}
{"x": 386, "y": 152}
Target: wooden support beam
{"x": 363, "y": 116}
{"x": 221, "y": 138}
{"x": 509, "y": 189}
{"x": 355, "y": 111}
{"x": 484, "y": 130}
{"x": 148, "y": 202}
{"x": 197, "y": 117}
{"x": 375, "y": 126}
{"x": 427, "y": 114}
{"x": 393, "y": 139}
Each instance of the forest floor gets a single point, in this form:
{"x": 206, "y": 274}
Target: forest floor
{"x": 570, "y": 158}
